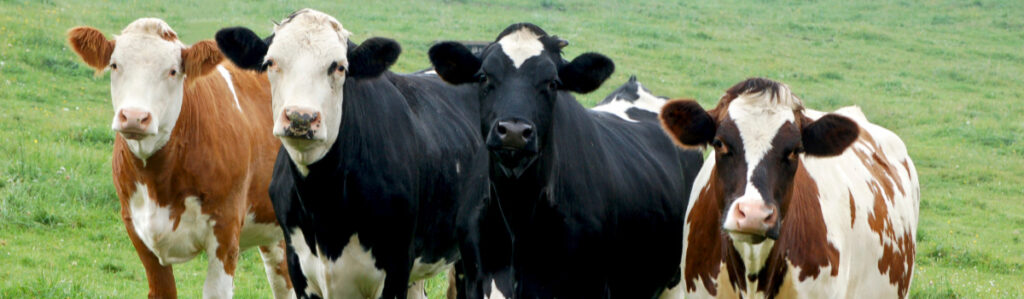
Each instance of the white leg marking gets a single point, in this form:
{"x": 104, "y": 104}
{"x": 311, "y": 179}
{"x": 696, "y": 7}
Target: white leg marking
{"x": 231, "y": 85}
{"x": 417, "y": 290}
{"x": 219, "y": 284}
{"x": 495, "y": 293}
{"x": 271, "y": 260}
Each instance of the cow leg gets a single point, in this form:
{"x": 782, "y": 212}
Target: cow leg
{"x": 222, "y": 254}
{"x": 453, "y": 282}
{"x": 160, "y": 277}
{"x": 277, "y": 270}
{"x": 417, "y": 290}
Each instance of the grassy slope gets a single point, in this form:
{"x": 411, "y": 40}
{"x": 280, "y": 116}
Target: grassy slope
{"x": 943, "y": 75}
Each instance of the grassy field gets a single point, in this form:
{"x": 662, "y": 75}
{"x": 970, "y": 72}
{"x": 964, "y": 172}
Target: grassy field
{"x": 944, "y": 75}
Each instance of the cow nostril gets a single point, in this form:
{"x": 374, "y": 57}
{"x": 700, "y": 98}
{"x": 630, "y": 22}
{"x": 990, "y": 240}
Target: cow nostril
{"x": 145, "y": 119}
{"x": 740, "y": 214}
{"x": 527, "y": 132}
{"x": 502, "y": 130}
{"x": 122, "y": 117}
{"x": 770, "y": 218}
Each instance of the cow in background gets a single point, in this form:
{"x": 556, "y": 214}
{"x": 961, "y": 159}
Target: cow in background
{"x": 794, "y": 203}
{"x": 192, "y": 158}
{"x": 594, "y": 197}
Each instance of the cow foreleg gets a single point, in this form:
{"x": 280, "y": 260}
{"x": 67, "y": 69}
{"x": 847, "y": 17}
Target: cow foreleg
{"x": 222, "y": 254}
{"x": 160, "y": 277}
{"x": 277, "y": 270}
{"x": 417, "y": 290}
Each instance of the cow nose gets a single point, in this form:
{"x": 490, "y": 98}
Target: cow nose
{"x": 134, "y": 122}
{"x": 514, "y": 134}
{"x": 301, "y": 122}
{"x": 754, "y": 218}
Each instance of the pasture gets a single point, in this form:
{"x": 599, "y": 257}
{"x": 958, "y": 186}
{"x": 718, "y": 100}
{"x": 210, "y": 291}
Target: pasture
{"x": 944, "y": 75}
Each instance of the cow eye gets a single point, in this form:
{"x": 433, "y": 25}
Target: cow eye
{"x": 720, "y": 147}
{"x": 553, "y": 84}
{"x": 268, "y": 64}
{"x": 173, "y": 72}
{"x": 113, "y": 66}
{"x": 336, "y": 68}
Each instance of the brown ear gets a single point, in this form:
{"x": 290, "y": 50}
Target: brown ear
{"x": 90, "y": 44}
{"x": 200, "y": 58}
{"x": 687, "y": 123}
{"x": 830, "y": 135}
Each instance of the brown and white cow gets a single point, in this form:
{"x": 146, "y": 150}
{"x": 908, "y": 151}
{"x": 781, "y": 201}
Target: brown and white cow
{"x": 794, "y": 202}
{"x": 192, "y": 160}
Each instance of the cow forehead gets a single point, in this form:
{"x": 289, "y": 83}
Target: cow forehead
{"x": 758, "y": 120}
{"x": 147, "y": 41}
{"x": 144, "y": 50}
{"x": 521, "y": 45}
{"x": 310, "y": 32}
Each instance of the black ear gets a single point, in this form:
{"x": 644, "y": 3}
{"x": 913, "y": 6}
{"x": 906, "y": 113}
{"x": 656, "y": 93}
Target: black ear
{"x": 454, "y": 62}
{"x": 586, "y": 73}
{"x": 687, "y": 123}
{"x": 830, "y": 135}
{"x": 373, "y": 57}
{"x": 243, "y": 47}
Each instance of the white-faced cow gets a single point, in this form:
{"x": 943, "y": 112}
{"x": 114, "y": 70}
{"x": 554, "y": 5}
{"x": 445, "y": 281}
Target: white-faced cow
{"x": 592, "y": 196}
{"x": 794, "y": 203}
{"x": 376, "y": 168}
{"x": 192, "y": 159}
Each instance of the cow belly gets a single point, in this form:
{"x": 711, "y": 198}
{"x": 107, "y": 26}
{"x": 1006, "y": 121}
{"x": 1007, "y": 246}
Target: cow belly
{"x": 258, "y": 234}
{"x": 422, "y": 270}
{"x": 156, "y": 228}
{"x": 352, "y": 275}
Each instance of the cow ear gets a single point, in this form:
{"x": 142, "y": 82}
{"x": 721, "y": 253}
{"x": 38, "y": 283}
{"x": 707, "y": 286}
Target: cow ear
{"x": 90, "y": 44}
{"x": 687, "y": 123}
{"x": 828, "y": 136}
{"x": 373, "y": 57}
{"x": 200, "y": 58}
{"x": 454, "y": 63}
{"x": 243, "y": 47}
{"x": 585, "y": 73}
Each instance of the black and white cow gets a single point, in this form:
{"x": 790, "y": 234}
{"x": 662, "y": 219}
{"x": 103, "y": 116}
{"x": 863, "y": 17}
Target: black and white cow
{"x": 375, "y": 166}
{"x": 594, "y": 197}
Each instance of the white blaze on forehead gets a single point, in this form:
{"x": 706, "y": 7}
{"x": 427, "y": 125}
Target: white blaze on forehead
{"x": 521, "y": 45}
{"x": 758, "y": 118}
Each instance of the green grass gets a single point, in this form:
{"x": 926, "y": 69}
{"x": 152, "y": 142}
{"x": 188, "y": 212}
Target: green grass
{"x": 944, "y": 75}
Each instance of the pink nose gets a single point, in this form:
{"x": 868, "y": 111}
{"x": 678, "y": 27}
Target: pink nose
{"x": 301, "y": 122}
{"x": 754, "y": 218}
{"x": 134, "y": 122}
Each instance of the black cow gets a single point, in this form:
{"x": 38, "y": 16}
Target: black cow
{"x": 595, "y": 198}
{"x": 380, "y": 174}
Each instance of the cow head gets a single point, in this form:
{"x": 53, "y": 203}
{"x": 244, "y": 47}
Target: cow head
{"x": 759, "y": 134}
{"x": 148, "y": 70}
{"x": 307, "y": 59}
{"x": 519, "y": 77}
